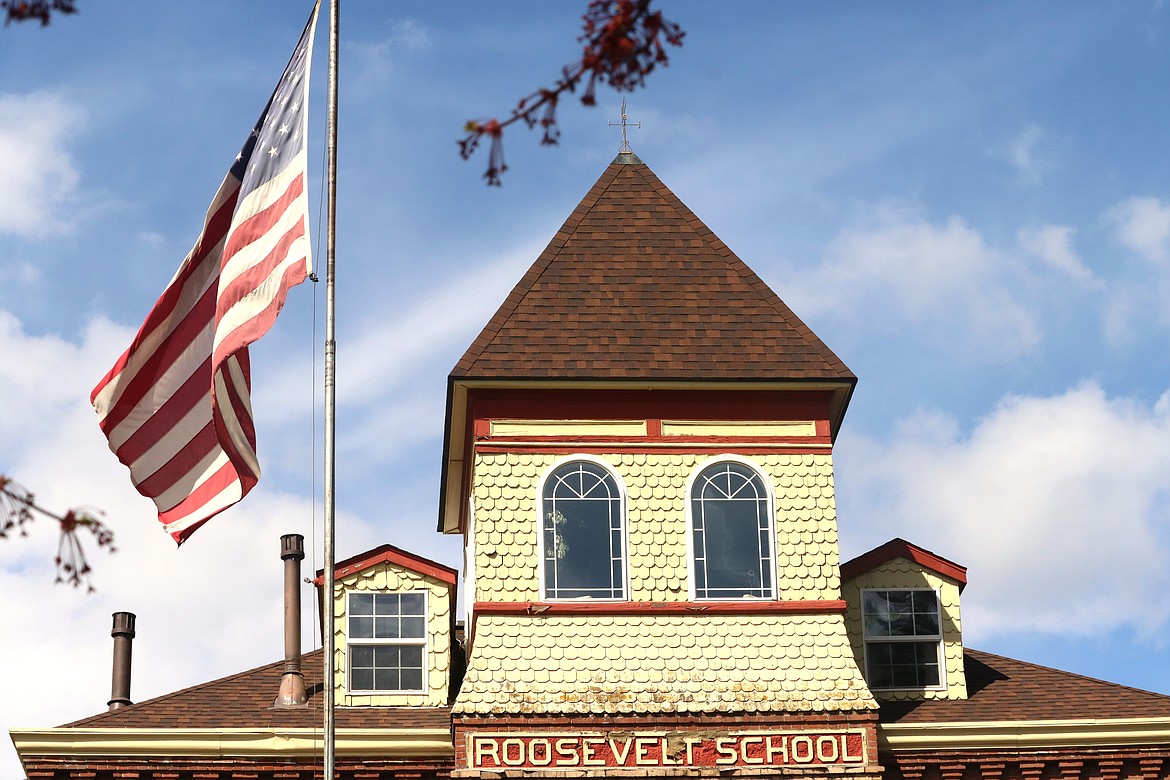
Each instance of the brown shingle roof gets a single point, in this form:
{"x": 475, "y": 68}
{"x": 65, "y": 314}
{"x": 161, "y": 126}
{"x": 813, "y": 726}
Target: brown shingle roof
{"x": 999, "y": 689}
{"x": 244, "y": 700}
{"x": 635, "y": 286}
{"x": 1002, "y": 688}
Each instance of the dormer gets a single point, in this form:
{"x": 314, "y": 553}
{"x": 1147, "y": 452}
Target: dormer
{"x": 394, "y": 623}
{"x": 904, "y": 623}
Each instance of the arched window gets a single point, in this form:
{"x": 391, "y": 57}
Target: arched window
{"x": 731, "y": 533}
{"x": 582, "y": 518}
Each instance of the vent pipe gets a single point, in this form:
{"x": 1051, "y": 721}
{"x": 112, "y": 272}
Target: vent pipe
{"x": 292, "y": 682}
{"x": 123, "y": 634}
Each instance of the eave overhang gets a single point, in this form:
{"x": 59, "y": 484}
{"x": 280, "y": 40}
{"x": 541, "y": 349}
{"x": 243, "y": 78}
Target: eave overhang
{"x": 221, "y": 742}
{"x": 1083, "y": 733}
{"x": 459, "y": 388}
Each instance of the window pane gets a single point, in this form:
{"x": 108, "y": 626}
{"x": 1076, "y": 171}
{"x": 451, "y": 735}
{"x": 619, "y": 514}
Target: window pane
{"x": 925, "y": 613}
{"x": 902, "y": 664}
{"x": 361, "y": 603}
{"x": 413, "y": 603}
{"x": 582, "y": 522}
{"x": 412, "y": 679}
{"x": 361, "y": 679}
{"x": 414, "y": 628}
{"x": 731, "y": 533}
{"x": 386, "y": 604}
{"x": 411, "y": 656}
{"x": 386, "y": 628}
{"x": 387, "y": 680}
{"x": 900, "y": 613}
{"x": 361, "y": 627}
{"x": 386, "y": 655}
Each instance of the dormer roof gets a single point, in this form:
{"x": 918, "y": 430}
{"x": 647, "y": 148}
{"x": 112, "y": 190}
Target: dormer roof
{"x": 388, "y": 553}
{"x": 900, "y": 548}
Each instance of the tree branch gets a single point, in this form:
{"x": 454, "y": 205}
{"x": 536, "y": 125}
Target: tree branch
{"x": 623, "y": 42}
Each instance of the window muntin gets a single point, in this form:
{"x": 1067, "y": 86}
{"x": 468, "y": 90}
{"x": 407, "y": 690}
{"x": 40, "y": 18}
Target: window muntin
{"x": 387, "y": 641}
{"x": 731, "y": 533}
{"x": 582, "y": 522}
{"x": 903, "y": 638}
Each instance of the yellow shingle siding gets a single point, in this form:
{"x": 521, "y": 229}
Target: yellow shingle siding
{"x": 505, "y": 495}
{"x": 903, "y": 573}
{"x": 386, "y": 577}
{"x": 661, "y": 664}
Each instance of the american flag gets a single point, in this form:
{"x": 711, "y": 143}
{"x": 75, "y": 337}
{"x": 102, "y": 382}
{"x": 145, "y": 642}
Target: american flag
{"x": 176, "y": 406}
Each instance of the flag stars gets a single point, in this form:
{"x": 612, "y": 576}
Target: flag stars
{"x": 273, "y": 151}
{"x": 283, "y": 129}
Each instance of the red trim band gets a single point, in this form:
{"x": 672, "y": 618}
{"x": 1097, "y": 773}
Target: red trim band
{"x": 673, "y": 444}
{"x": 746, "y": 607}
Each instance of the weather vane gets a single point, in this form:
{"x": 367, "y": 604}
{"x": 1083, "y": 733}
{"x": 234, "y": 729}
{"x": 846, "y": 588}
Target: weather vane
{"x": 624, "y": 124}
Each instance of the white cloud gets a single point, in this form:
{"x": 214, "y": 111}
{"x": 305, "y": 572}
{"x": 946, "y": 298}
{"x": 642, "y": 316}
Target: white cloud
{"x": 37, "y": 174}
{"x": 151, "y": 238}
{"x": 1055, "y": 504}
{"x": 1053, "y": 244}
{"x": 897, "y": 269}
{"x": 411, "y": 34}
{"x": 1025, "y": 154}
{"x": 375, "y": 60}
{"x": 52, "y": 445}
{"x": 1142, "y": 224}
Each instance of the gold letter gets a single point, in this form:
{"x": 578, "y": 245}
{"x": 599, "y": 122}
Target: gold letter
{"x": 621, "y": 757}
{"x": 845, "y": 756}
{"x": 642, "y": 745}
{"x": 691, "y": 742}
{"x": 588, "y": 747}
{"x": 485, "y": 747}
{"x": 782, "y": 750}
{"x": 532, "y": 745}
{"x": 567, "y": 748}
{"x": 519, "y": 745}
{"x": 825, "y": 756}
{"x": 727, "y": 754}
{"x": 808, "y": 746}
{"x": 743, "y": 749}
{"x": 666, "y": 759}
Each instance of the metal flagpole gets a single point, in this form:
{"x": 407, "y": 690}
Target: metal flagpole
{"x": 329, "y": 641}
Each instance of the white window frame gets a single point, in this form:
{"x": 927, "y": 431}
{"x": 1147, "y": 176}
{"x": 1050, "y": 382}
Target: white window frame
{"x": 692, "y": 580}
{"x": 424, "y": 642}
{"x": 921, "y": 639}
{"x": 625, "y": 521}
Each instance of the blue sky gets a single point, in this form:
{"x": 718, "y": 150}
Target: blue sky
{"x": 970, "y": 203}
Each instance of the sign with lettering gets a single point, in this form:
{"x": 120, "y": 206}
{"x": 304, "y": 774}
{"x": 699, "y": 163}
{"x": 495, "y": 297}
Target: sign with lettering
{"x": 636, "y": 750}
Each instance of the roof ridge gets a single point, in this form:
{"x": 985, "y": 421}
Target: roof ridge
{"x": 166, "y": 696}
{"x": 1067, "y": 673}
{"x": 540, "y": 265}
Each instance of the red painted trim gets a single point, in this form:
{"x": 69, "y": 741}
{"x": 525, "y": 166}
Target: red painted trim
{"x": 601, "y": 404}
{"x": 900, "y": 548}
{"x": 641, "y": 439}
{"x": 654, "y": 427}
{"x": 746, "y": 607}
{"x": 646, "y": 447}
{"x": 388, "y": 553}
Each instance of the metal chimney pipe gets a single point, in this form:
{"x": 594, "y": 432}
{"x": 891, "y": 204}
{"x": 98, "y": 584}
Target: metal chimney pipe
{"x": 292, "y": 683}
{"x": 123, "y": 634}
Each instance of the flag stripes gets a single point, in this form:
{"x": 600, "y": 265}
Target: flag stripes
{"x": 176, "y": 406}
